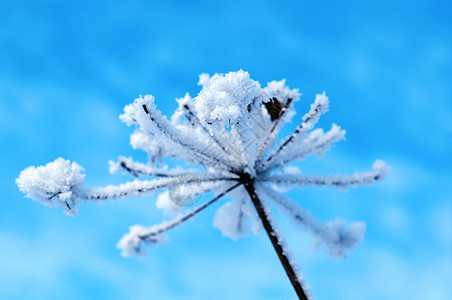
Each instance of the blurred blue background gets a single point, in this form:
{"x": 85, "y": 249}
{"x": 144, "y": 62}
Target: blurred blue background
{"x": 68, "y": 68}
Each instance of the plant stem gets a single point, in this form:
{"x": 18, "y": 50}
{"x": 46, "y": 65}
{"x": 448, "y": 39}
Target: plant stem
{"x": 249, "y": 186}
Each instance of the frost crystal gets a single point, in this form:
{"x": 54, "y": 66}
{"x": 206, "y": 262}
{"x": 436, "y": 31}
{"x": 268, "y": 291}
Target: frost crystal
{"x": 228, "y": 137}
{"x": 224, "y": 99}
{"x": 54, "y": 184}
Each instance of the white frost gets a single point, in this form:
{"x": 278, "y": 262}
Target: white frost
{"x": 231, "y": 220}
{"x": 55, "y": 184}
{"x": 131, "y": 243}
{"x": 224, "y": 98}
{"x": 280, "y": 90}
{"x": 228, "y": 132}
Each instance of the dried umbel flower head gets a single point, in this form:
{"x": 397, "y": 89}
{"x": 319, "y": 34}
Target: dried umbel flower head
{"x": 228, "y": 134}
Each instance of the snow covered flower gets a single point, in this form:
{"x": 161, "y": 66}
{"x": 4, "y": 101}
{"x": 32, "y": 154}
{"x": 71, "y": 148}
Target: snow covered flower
{"x": 227, "y": 138}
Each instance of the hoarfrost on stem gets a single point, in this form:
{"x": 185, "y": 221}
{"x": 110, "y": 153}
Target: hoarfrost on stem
{"x": 228, "y": 134}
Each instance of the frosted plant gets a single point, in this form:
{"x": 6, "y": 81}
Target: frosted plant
{"x": 227, "y": 141}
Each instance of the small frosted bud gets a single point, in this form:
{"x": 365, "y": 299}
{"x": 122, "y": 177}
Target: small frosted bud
{"x": 380, "y": 167}
{"x": 54, "y": 184}
{"x": 115, "y": 167}
{"x": 134, "y": 112}
{"x": 231, "y": 221}
{"x": 131, "y": 243}
{"x": 343, "y": 238}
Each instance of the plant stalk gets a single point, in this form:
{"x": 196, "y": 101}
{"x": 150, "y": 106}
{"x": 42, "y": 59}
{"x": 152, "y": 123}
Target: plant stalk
{"x": 249, "y": 186}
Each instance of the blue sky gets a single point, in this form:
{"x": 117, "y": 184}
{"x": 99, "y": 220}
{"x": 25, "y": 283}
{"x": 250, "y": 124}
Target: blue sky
{"x": 68, "y": 68}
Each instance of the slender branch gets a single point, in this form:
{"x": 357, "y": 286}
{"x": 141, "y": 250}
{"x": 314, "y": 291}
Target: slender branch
{"x": 131, "y": 243}
{"x": 194, "y": 118}
{"x": 137, "y": 169}
{"x": 338, "y": 236}
{"x": 309, "y": 120}
{"x": 139, "y": 188}
{"x": 182, "y": 218}
{"x": 169, "y": 132}
{"x": 379, "y": 170}
{"x": 316, "y": 142}
{"x": 249, "y": 186}
{"x": 134, "y": 173}
{"x": 338, "y": 181}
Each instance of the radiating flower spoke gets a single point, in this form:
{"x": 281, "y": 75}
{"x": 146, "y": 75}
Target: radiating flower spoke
{"x": 338, "y": 181}
{"x": 335, "y": 235}
{"x": 130, "y": 244}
